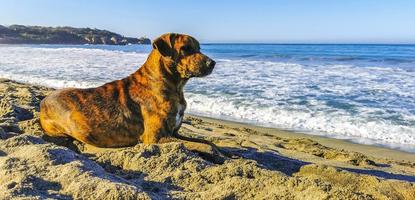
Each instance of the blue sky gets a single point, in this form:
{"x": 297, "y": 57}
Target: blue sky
{"x": 289, "y": 21}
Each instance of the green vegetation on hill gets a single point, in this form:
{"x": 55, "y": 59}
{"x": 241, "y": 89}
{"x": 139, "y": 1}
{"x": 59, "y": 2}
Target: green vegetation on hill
{"x": 19, "y": 34}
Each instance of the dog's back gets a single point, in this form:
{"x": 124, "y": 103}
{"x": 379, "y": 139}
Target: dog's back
{"x": 104, "y": 116}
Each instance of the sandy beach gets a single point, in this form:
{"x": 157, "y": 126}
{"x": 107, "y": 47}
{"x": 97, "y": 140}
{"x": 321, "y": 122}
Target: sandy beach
{"x": 267, "y": 163}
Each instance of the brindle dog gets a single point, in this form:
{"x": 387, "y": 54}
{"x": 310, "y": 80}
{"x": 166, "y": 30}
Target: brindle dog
{"x": 146, "y": 106}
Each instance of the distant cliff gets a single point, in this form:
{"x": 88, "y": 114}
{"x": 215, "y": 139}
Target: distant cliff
{"x": 19, "y": 34}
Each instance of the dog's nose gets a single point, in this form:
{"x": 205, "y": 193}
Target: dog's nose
{"x": 211, "y": 63}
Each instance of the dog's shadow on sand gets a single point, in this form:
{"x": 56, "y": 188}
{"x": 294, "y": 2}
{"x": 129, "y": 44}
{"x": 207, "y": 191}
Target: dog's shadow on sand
{"x": 382, "y": 174}
{"x": 271, "y": 160}
{"x": 156, "y": 190}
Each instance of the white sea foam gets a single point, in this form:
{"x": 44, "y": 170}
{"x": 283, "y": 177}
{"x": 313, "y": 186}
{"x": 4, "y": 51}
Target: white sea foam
{"x": 374, "y": 105}
{"x": 338, "y": 125}
{"x": 67, "y": 67}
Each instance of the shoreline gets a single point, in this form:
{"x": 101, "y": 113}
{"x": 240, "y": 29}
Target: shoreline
{"x": 372, "y": 150}
{"x": 348, "y": 144}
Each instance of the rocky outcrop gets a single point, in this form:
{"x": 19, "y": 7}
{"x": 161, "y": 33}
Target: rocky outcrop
{"x": 18, "y": 34}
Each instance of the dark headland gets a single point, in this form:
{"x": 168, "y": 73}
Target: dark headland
{"x": 19, "y": 34}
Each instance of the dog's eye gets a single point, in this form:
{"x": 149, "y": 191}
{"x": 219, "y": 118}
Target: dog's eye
{"x": 187, "y": 49}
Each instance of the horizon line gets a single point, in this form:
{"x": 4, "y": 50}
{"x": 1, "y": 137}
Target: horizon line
{"x": 306, "y": 43}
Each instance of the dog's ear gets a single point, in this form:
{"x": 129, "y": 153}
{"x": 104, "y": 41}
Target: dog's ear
{"x": 165, "y": 44}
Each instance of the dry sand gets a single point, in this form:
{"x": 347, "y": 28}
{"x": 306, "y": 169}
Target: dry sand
{"x": 271, "y": 163}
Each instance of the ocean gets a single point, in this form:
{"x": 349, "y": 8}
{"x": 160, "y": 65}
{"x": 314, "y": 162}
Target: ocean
{"x": 361, "y": 93}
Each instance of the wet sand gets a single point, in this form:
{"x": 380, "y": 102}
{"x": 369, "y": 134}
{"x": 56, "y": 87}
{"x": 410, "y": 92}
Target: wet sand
{"x": 370, "y": 150}
{"x": 267, "y": 164}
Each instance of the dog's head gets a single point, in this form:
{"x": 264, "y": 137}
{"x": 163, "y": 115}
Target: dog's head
{"x": 185, "y": 52}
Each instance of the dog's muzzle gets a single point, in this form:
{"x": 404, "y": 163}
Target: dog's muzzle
{"x": 211, "y": 63}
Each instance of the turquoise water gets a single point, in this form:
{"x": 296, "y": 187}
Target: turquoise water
{"x": 364, "y": 93}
